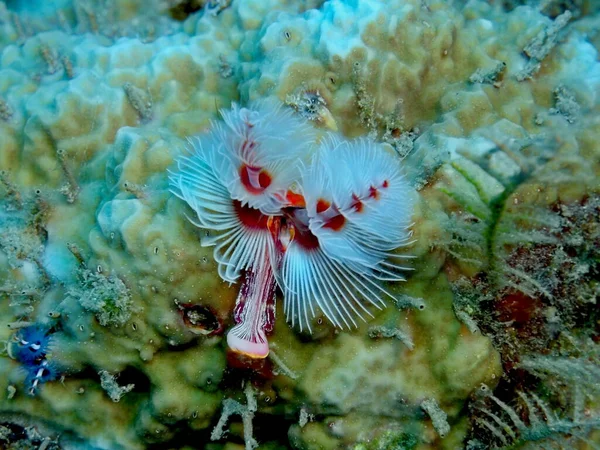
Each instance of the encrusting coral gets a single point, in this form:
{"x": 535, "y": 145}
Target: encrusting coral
{"x": 492, "y": 109}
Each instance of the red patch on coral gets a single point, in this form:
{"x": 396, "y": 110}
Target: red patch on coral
{"x": 262, "y": 367}
{"x": 518, "y": 308}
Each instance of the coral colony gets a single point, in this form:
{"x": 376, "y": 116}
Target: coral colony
{"x": 319, "y": 218}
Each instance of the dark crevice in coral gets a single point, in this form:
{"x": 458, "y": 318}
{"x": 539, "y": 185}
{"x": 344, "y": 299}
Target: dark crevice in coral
{"x": 132, "y": 375}
{"x": 184, "y": 8}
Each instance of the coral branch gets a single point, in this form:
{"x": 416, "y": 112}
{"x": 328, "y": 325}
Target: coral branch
{"x": 231, "y": 407}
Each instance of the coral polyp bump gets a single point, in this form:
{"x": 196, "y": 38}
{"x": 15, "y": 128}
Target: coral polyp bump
{"x": 319, "y": 217}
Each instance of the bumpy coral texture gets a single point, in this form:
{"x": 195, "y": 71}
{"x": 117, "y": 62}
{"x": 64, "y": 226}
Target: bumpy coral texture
{"x": 95, "y": 103}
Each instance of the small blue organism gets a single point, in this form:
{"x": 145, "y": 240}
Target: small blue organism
{"x": 30, "y": 345}
{"x": 39, "y": 374}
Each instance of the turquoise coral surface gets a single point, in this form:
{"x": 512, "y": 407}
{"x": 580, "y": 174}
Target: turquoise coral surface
{"x": 113, "y": 316}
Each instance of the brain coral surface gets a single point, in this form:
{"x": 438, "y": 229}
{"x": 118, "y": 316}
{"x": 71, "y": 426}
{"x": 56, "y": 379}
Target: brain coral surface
{"x": 99, "y": 263}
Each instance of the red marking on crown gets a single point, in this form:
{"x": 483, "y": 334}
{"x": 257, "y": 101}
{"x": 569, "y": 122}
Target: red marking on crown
{"x": 305, "y": 239}
{"x": 299, "y": 232}
{"x": 357, "y": 204}
{"x": 250, "y": 217}
{"x": 322, "y": 205}
{"x": 374, "y": 193}
{"x": 332, "y": 218}
{"x": 336, "y": 223}
{"x": 295, "y": 200}
{"x": 255, "y": 179}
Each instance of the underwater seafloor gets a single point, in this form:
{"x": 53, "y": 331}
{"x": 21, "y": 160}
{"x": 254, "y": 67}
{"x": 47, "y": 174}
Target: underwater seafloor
{"x": 113, "y": 316}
